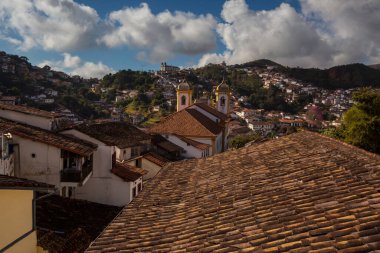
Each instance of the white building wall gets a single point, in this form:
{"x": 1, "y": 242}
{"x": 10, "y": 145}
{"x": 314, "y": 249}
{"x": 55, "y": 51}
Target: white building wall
{"x": 147, "y": 165}
{"x": 103, "y": 186}
{"x": 120, "y": 155}
{"x": 46, "y": 164}
{"x": 207, "y": 114}
{"x": 110, "y": 190}
{"x": 191, "y": 151}
{"x": 41, "y": 122}
{"x": 102, "y": 156}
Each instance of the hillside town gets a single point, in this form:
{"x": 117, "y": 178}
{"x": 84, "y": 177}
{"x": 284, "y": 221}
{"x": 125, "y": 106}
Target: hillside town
{"x": 79, "y": 168}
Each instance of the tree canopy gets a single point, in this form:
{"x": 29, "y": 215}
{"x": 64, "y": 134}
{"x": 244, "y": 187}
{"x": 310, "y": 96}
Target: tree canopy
{"x": 362, "y": 121}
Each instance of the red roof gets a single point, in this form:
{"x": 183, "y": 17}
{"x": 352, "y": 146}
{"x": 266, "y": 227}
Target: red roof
{"x": 127, "y": 172}
{"x": 69, "y": 143}
{"x": 196, "y": 144}
{"x": 17, "y": 183}
{"x": 187, "y": 122}
{"x": 212, "y": 111}
{"x": 30, "y": 110}
{"x": 156, "y": 158}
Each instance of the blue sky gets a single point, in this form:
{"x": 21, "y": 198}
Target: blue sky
{"x": 92, "y": 38}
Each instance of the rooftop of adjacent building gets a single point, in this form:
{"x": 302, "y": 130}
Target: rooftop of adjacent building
{"x": 68, "y": 143}
{"x": 187, "y": 122}
{"x": 67, "y": 225}
{"x": 10, "y": 182}
{"x": 30, "y": 111}
{"x": 120, "y": 134}
{"x": 300, "y": 193}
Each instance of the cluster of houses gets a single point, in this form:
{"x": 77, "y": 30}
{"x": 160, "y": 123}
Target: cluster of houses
{"x": 105, "y": 163}
{"x": 338, "y": 101}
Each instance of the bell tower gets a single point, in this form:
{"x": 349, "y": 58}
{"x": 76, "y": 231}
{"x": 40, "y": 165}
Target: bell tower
{"x": 184, "y": 96}
{"x": 223, "y": 98}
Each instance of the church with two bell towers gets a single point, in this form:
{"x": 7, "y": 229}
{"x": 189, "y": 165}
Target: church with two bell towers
{"x": 200, "y": 128}
{"x": 221, "y": 103}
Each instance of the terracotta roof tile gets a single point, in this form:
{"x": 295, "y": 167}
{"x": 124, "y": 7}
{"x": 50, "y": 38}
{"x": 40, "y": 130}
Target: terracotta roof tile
{"x": 9, "y": 182}
{"x": 196, "y": 144}
{"x": 212, "y": 111}
{"x": 61, "y": 141}
{"x": 156, "y": 158}
{"x": 120, "y": 134}
{"x": 187, "y": 122}
{"x": 299, "y": 193}
{"x": 68, "y": 225}
{"x": 127, "y": 172}
{"x": 30, "y": 110}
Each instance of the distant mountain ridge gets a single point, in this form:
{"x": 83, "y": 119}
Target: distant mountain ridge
{"x": 346, "y": 76}
{"x": 375, "y": 66}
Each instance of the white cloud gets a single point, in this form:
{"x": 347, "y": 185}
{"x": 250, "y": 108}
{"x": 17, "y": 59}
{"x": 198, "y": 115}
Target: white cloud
{"x": 325, "y": 33}
{"x": 280, "y": 34}
{"x": 163, "y": 35}
{"x": 59, "y": 25}
{"x": 350, "y": 26}
{"x": 74, "y": 66}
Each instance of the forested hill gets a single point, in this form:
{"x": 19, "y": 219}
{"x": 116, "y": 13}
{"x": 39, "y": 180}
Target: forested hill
{"x": 346, "y": 76}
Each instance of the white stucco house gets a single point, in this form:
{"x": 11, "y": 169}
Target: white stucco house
{"x": 48, "y": 157}
{"x": 113, "y": 182}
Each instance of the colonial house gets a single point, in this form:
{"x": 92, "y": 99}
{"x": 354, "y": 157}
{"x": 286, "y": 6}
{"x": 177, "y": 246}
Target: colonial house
{"x": 292, "y": 122}
{"x": 261, "y": 126}
{"x": 18, "y": 216}
{"x": 31, "y": 116}
{"x": 44, "y": 156}
{"x": 113, "y": 182}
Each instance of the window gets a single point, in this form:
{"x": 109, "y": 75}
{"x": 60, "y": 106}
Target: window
{"x": 140, "y": 187}
{"x": 134, "y": 192}
{"x": 71, "y": 191}
{"x": 183, "y": 100}
{"x": 222, "y": 101}
{"x": 138, "y": 163}
{"x": 63, "y": 191}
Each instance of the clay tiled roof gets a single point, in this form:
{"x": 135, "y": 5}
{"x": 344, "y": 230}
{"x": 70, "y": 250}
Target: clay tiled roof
{"x": 163, "y": 143}
{"x": 156, "y": 158}
{"x": 299, "y": 193}
{"x": 212, "y": 111}
{"x": 30, "y": 110}
{"x": 196, "y": 144}
{"x": 187, "y": 122}
{"x": 67, "y": 225}
{"x": 120, "y": 134}
{"x": 127, "y": 172}
{"x": 9, "y": 182}
{"x": 61, "y": 141}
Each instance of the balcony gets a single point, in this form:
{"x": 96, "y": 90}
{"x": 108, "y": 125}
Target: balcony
{"x": 73, "y": 175}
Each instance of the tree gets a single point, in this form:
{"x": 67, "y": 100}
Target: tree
{"x": 362, "y": 121}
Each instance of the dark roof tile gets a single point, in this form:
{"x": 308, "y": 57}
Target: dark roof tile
{"x": 120, "y": 134}
{"x": 30, "y": 110}
{"x": 9, "y": 182}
